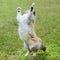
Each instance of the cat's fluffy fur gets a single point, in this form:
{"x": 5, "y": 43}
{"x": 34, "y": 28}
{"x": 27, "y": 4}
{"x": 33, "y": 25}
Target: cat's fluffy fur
{"x": 26, "y": 31}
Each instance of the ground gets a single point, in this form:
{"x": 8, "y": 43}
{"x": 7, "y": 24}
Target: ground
{"x": 47, "y": 27}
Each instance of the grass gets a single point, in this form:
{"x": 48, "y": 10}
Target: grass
{"x": 47, "y": 27}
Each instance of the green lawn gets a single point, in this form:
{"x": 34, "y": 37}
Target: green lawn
{"x": 47, "y": 27}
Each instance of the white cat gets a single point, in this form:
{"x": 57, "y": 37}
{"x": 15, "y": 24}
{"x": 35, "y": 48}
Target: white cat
{"x": 26, "y": 30}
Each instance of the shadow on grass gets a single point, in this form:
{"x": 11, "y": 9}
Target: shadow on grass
{"x": 40, "y": 56}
